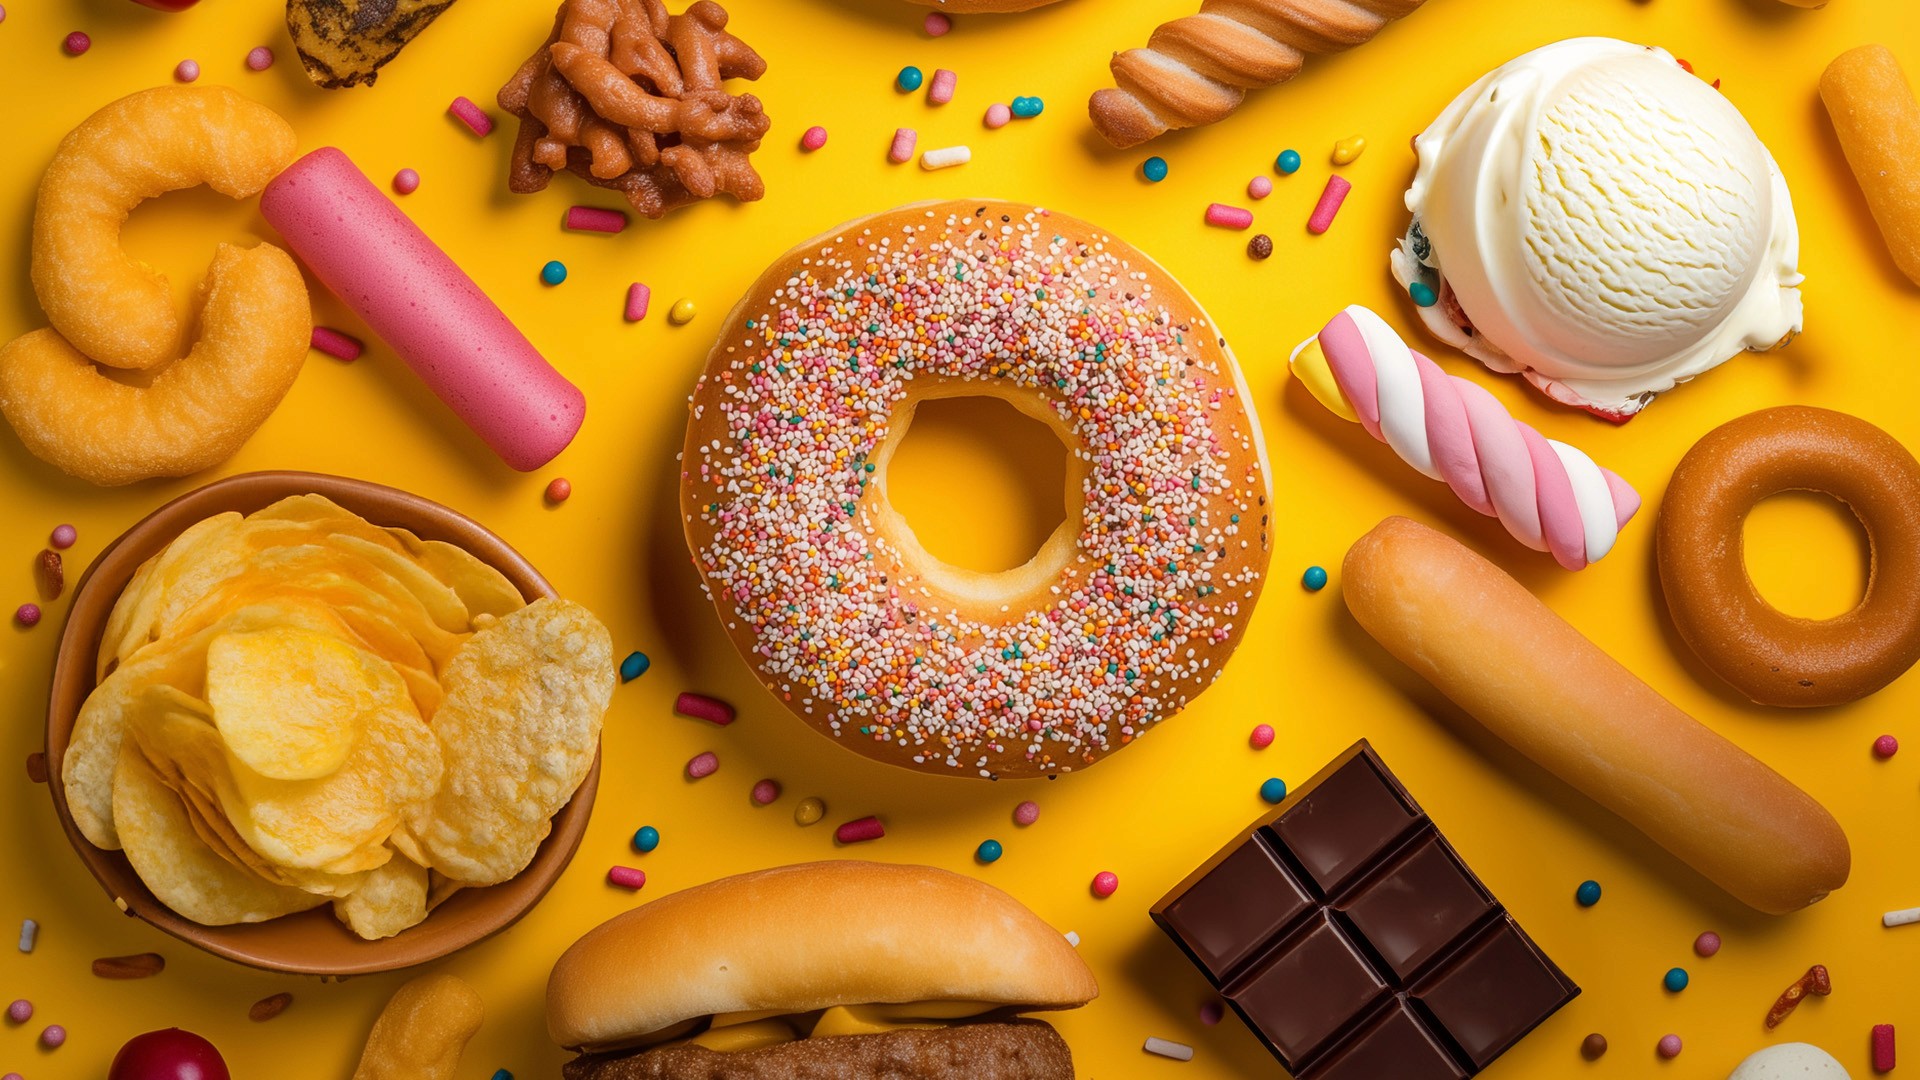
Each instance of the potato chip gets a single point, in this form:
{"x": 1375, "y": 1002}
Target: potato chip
{"x": 181, "y": 871}
{"x": 391, "y": 899}
{"x": 481, "y": 587}
{"x": 519, "y": 729}
{"x": 288, "y": 702}
{"x": 213, "y": 829}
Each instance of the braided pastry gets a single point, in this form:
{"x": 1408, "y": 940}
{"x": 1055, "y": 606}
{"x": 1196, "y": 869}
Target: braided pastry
{"x": 1196, "y": 69}
{"x": 1550, "y": 496}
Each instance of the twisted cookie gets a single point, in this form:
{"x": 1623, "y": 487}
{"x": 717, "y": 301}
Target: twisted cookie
{"x": 1549, "y": 495}
{"x": 1196, "y": 69}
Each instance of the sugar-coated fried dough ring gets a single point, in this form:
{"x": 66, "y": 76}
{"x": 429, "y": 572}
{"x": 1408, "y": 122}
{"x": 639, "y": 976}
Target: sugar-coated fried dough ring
{"x": 255, "y": 328}
{"x": 110, "y": 307}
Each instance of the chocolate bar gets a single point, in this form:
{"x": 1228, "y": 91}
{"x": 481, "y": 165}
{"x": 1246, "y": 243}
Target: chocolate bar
{"x": 1356, "y": 943}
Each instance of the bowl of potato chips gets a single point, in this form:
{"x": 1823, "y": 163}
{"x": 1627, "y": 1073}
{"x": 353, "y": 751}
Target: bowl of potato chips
{"x": 317, "y": 725}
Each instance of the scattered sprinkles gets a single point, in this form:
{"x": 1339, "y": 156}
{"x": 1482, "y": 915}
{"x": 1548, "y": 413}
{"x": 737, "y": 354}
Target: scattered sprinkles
{"x": 63, "y": 536}
{"x": 998, "y": 115}
{"x": 814, "y": 138}
{"x": 27, "y": 615}
{"x": 1675, "y": 980}
{"x": 1168, "y": 1049}
{"x": 627, "y": 877}
{"x": 645, "y": 839}
{"x": 765, "y": 792}
{"x": 936, "y": 24}
{"x": 701, "y": 707}
{"x": 1588, "y": 894}
{"x": 1288, "y": 162}
{"x": 406, "y": 181}
{"x": 559, "y": 490}
{"x": 554, "y": 272}
{"x": 186, "y": 71}
{"x": 634, "y": 666}
{"x": 1348, "y": 150}
{"x": 472, "y": 115}
{"x": 1314, "y": 579}
{"x": 860, "y": 830}
{"x": 805, "y": 399}
{"x": 1593, "y": 1047}
{"x": 342, "y": 347}
{"x": 989, "y": 851}
{"x": 1274, "y": 790}
{"x": 1154, "y": 169}
{"x": 638, "y": 297}
{"x": 1026, "y": 813}
{"x": 1885, "y": 747}
{"x": 1706, "y": 944}
{"x": 259, "y": 58}
{"x": 809, "y": 812}
{"x": 1262, "y": 736}
{"x": 703, "y": 765}
{"x": 1668, "y": 1046}
{"x": 1105, "y": 884}
{"x": 77, "y": 43}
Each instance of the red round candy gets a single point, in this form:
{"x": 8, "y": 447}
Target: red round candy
{"x": 27, "y": 614}
{"x": 169, "y": 1054}
{"x": 1885, "y": 747}
{"x": 1105, "y": 883}
{"x": 77, "y": 43}
{"x": 559, "y": 489}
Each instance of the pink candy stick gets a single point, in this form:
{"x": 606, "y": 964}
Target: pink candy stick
{"x": 703, "y": 765}
{"x": 472, "y": 115}
{"x": 1331, "y": 197}
{"x": 859, "y": 830}
{"x": 336, "y": 344}
{"x": 1229, "y": 217}
{"x": 903, "y": 143}
{"x": 940, "y": 90}
{"x": 595, "y": 219}
{"x": 638, "y": 296}
{"x": 702, "y": 707}
{"x": 373, "y": 257}
{"x": 627, "y": 877}
{"x": 1883, "y": 1048}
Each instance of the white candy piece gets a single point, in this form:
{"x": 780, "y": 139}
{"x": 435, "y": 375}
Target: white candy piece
{"x": 29, "y": 934}
{"x": 1790, "y": 1061}
{"x": 1073, "y": 939}
{"x": 1169, "y": 1049}
{"x": 946, "y": 157}
{"x": 1903, "y": 917}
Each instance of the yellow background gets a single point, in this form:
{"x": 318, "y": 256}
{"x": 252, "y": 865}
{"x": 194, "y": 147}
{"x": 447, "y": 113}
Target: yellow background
{"x": 1154, "y": 812}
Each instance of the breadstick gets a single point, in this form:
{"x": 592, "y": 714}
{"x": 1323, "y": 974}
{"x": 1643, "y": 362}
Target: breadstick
{"x": 422, "y": 1031}
{"x": 1197, "y": 69}
{"x": 1878, "y": 121}
{"x": 1533, "y": 680}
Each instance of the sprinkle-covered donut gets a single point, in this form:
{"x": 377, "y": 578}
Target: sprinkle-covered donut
{"x": 1128, "y": 611}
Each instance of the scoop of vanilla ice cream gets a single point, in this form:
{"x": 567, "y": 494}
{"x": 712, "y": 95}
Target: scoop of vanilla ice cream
{"x": 1602, "y": 221}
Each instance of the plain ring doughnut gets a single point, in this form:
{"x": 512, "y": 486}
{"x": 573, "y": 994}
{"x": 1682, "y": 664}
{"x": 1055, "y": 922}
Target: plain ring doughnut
{"x": 1772, "y": 657}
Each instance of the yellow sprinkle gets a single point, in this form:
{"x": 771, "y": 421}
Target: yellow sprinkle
{"x": 1309, "y": 365}
{"x": 682, "y": 312}
{"x": 1349, "y": 149}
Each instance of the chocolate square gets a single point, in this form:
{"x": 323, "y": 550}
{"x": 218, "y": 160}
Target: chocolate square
{"x": 1338, "y": 827}
{"x": 1241, "y": 903}
{"x": 1411, "y": 911}
{"x": 1307, "y": 989}
{"x": 1496, "y": 989}
{"x": 1395, "y": 1046}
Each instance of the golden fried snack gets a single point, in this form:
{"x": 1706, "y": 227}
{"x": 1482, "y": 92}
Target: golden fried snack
{"x": 112, "y": 308}
{"x": 628, "y": 97}
{"x": 347, "y": 42}
{"x": 422, "y": 1031}
{"x": 197, "y": 411}
{"x": 1877, "y": 119}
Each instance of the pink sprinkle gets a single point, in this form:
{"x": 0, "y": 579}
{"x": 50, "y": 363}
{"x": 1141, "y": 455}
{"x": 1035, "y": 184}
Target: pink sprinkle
{"x": 703, "y": 765}
{"x": 186, "y": 71}
{"x": 998, "y": 115}
{"x": 814, "y": 139}
{"x": 20, "y": 1011}
{"x": 336, "y": 344}
{"x": 1885, "y": 747}
{"x": 1883, "y": 1048}
{"x": 940, "y": 90}
{"x": 53, "y": 1036}
{"x": 1228, "y": 217}
{"x": 1211, "y": 1012}
{"x": 27, "y": 615}
{"x": 1259, "y": 187}
{"x": 1105, "y": 884}
{"x": 472, "y": 115}
{"x": 77, "y": 43}
{"x": 936, "y": 24}
{"x": 1026, "y": 813}
{"x": 627, "y": 877}
{"x": 1262, "y": 736}
{"x": 64, "y": 536}
{"x": 702, "y": 707}
{"x": 903, "y": 143}
{"x": 766, "y": 792}
{"x": 1706, "y": 944}
{"x": 637, "y": 297}
{"x": 1322, "y": 220}
{"x": 259, "y": 58}
{"x": 595, "y": 219}
{"x": 1669, "y": 1046}
{"x": 406, "y": 181}
{"x": 860, "y": 829}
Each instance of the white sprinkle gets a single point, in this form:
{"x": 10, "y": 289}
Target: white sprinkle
{"x": 1073, "y": 939}
{"x": 1904, "y": 917}
{"x": 1166, "y": 1048}
{"x": 29, "y": 933}
{"x": 945, "y": 157}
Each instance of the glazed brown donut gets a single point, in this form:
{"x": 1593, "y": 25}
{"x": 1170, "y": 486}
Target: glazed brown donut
{"x": 1772, "y": 657}
{"x": 1132, "y": 606}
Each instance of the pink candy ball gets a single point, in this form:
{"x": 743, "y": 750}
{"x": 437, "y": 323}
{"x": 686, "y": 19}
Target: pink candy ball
{"x": 259, "y": 58}
{"x": 1669, "y": 1046}
{"x": 1259, "y": 187}
{"x": 815, "y": 138}
{"x": 703, "y": 765}
{"x": 766, "y": 792}
{"x": 1026, "y": 813}
{"x": 186, "y": 71}
{"x": 998, "y": 115}
{"x": 53, "y": 1036}
{"x": 1105, "y": 884}
{"x": 1262, "y": 736}
{"x": 936, "y": 24}
{"x": 1885, "y": 747}
{"x": 77, "y": 42}
{"x": 27, "y": 614}
{"x": 406, "y": 181}
{"x": 20, "y": 1011}
{"x": 1707, "y": 944}
{"x": 64, "y": 536}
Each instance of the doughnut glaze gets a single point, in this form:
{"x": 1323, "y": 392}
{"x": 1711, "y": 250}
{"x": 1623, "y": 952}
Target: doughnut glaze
{"x": 1130, "y": 608}
{"x": 1772, "y": 657}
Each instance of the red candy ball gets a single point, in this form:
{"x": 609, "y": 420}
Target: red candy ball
{"x": 1105, "y": 884}
{"x": 171, "y": 1054}
{"x": 559, "y": 490}
{"x": 1885, "y": 747}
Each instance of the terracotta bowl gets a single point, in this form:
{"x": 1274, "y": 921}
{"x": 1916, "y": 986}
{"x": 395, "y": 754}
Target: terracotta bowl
{"x": 312, "y": 942}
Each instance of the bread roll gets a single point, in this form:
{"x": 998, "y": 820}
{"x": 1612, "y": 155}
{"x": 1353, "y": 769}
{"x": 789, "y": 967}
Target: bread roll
{"x": 1533, "y": 680}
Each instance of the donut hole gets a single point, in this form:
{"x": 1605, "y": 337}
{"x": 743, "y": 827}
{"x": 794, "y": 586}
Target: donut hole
{"x": 981, "y": 483}
{"x": 176, "y": 235}
{"x": 1806, "y": 554}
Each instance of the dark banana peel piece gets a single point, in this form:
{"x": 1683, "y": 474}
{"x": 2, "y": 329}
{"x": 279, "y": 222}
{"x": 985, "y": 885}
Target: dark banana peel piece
{"x": 347, "y": 42}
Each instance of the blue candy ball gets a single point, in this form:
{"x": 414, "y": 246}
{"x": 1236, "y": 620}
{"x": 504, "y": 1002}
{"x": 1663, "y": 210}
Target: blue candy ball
{"x": 502, "y": 1074}
{"x": 909, "y": 78}
{"x": 988, "y": 851}
{"x": 1314, "y": 579}
{"x": 1588, "y": 894}
{"x": 1274, "y": 791}
{"x": 634, "y": 666}
{"x": 554, "y": 272}
{"x": 1288, "y": 162}
{"x": 646, "y": 839}
{"x": 1676, "y": 980}
{"x": 1422, "y": 294}
{"x": 1028, "y": 107}
{"x": 1154, "y": 169}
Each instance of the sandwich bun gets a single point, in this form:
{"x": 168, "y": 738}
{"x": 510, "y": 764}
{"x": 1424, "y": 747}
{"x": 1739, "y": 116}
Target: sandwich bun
{"x": 800, "y": 938}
